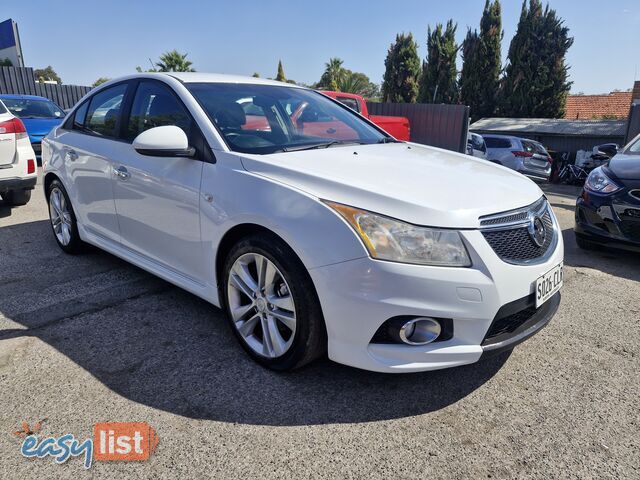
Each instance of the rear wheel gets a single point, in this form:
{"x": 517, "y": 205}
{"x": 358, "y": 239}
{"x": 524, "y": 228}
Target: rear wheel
{"x": 17, "y": 198}
{"x": 271, "y": 303}
{"x": 63, "y": 219}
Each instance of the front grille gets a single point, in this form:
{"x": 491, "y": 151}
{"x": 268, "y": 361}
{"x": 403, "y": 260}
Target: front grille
{"x": 516, "y": 217}
{"x": 515, "y": 245}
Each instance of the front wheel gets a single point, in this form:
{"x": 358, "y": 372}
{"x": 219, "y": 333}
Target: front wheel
{"x": 271, "y": 303}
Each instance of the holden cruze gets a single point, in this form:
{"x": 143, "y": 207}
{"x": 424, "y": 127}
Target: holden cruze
{"x": 312, "y": 227}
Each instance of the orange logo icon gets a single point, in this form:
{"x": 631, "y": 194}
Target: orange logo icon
{"x": 124, "y": 441}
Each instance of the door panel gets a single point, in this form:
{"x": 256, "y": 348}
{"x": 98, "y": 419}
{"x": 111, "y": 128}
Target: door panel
{"x": 158, "y": 198}
{"x": 158, "y": 208}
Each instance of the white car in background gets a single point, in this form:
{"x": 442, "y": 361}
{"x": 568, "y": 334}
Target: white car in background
{"x": 315, "y": 234}
{"x": 476, "y": 146}
{"x": 18, "y": 173}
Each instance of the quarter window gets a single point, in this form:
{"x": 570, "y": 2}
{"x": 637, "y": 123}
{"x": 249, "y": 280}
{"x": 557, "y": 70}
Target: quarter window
{"x": 79, "y": 116}
{"x": 155, "y": 106}
{"x": 104, "y": 111}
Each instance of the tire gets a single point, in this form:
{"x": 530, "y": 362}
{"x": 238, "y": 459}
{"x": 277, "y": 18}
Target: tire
{"x": 70, "y": 243}
{"x": 16, "y": 198}
{"x": 308, "y": 340}
{"x": 586, "y": 245}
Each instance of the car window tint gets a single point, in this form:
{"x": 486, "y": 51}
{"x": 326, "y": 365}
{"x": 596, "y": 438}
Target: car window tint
{"x": 104, "y": 110}
{"x": 80, "y": 115}
{"x": 634, "y": 147}
{"x": 493, "y": 142}
{"x": 533, "y": 147}
{"x": 154, "y": 105}
{"x": 2, "y": 108}
{"x": 352, "y": 103}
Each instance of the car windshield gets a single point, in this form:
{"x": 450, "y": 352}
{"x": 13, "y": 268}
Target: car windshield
{"x": 534, "y": 147}
{"x": 263, "y": 119}
{"x": 634, "y": 147}
{"x": 33, "y": 108}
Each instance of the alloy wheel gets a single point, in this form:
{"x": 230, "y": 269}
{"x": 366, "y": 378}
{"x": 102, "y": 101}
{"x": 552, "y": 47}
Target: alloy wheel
{"x": 261, "y": 305}
{"x": 60, "y": 216}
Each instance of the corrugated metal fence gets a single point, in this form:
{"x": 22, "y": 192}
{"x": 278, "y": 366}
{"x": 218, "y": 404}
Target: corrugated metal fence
{"x": 22, "y": 81}
{"x": 443, "y": 126}
{"x": 633, "y": 127}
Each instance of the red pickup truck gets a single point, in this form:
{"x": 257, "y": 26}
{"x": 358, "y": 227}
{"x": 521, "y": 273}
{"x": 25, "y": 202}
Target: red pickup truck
{"x": 397, "y": 127}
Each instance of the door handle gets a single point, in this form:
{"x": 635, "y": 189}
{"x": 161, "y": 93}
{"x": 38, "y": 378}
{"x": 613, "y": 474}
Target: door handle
{"x": 121, "y": 172}
{"x": 72, "y": 155}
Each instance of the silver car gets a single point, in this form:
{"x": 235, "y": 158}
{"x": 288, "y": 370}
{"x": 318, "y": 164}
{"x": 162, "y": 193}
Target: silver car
{"x": 526, "y": 156}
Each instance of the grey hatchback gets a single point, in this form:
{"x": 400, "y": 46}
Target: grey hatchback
{"x": 523, "y": 155}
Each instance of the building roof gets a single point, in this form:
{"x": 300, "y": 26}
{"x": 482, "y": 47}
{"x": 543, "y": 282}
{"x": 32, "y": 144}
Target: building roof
{"x": 551, "y": 126}
{"x": 589, "y": 107}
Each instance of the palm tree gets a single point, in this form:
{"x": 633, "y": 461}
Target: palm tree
{"x": 333, "y": 71}
{"x": 350, "y": 83}
{"x": 174, "y": 61}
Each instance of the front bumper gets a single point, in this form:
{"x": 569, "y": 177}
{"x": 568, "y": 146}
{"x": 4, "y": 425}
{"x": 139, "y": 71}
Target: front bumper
{"x": 609, "y": 220}
{"x": 358, "y": 296}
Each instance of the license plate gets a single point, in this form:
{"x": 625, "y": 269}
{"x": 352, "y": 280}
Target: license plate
{"x": 548, "y": 284}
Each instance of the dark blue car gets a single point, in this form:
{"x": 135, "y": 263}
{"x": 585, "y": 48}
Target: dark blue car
{"x": 38, "y": 114}
{"x": 608, "y": 210}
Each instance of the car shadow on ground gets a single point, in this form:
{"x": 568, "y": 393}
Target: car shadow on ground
{"x": 158, "y": 345}
{"x": 620, "y": 263}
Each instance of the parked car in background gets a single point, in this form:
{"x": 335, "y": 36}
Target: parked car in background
{"x": 526, "y": 156}
{"x": 311, "y": 242}
{"x": 476, "y": 147}
{"x": 17, "y": 160}
{"x": 39, "y": 115}
{"x": 608, "y": 209}
{"x": 397, "y": 127}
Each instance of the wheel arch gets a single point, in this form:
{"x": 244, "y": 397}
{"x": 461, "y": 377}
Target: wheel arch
{"x": 48, "y": 180}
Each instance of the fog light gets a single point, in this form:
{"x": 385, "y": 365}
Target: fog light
{"x": 420, "y": 331}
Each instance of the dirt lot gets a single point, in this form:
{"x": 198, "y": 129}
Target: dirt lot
{"x": 89, "y": 338}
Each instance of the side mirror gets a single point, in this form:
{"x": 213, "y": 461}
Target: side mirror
{"x": 166, "y": 141}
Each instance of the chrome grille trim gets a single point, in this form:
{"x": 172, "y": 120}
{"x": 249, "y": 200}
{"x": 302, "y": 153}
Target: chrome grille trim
{"x": 508, "y": 233}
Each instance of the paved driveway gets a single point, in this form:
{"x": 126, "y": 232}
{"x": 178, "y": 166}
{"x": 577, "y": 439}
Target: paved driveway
{"x": 89, "y": 338}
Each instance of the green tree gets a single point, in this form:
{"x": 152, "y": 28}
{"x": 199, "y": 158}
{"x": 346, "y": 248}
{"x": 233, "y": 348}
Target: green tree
{"x": 255, "y": 75}
{"x": 100, "y": 81}
{"x": 47, "y": 74}
{"x": 439, "y": 81}
{"x": 332, "y": 75}
{"x": 536, "y": 82}
{"x": 5, "y": 62}
{"x": 174, "y": 61}
{"x": 280, "y": 76}
{"x": 480, "y": 76}
{"x": 402, "y": 71}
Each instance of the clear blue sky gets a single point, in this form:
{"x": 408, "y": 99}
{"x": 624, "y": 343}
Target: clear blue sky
{"x": 87, "y": 39}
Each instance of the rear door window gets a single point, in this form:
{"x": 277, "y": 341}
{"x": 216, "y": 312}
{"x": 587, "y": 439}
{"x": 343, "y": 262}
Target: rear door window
{"x": 352, "y": 103}
{"x": 103, "y": 115}
{"x": 493, "y": 142}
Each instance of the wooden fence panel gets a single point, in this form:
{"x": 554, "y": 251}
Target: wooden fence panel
{"x": 21, "y": 81}
{"x": 443, "y": 126}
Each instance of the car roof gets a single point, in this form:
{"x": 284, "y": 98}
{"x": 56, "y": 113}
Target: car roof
{"x": 199, "y": 77}
{"x": 22, "y": 97}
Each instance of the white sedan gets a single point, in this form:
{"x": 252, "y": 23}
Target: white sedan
{"x": 316, "y": 231}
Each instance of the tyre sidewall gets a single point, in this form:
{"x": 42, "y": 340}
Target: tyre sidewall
{"x": 301, "y": 288}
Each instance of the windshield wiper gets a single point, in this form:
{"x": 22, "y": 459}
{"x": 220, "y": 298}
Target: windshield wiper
{"x": 389, "y": 140}
{"x": 318, "y": 145}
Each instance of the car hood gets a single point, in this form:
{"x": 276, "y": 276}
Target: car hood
{"x": 39, "y": 127}
{"x": 625, "y": 167}
{"x": 421, "y": 185}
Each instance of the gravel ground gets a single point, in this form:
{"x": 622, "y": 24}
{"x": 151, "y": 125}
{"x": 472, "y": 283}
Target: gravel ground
{"x": 89, "y": 338}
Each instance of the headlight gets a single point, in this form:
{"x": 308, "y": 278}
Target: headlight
{"x": 598, "y": 182}
{"x": 389, "y": 239}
